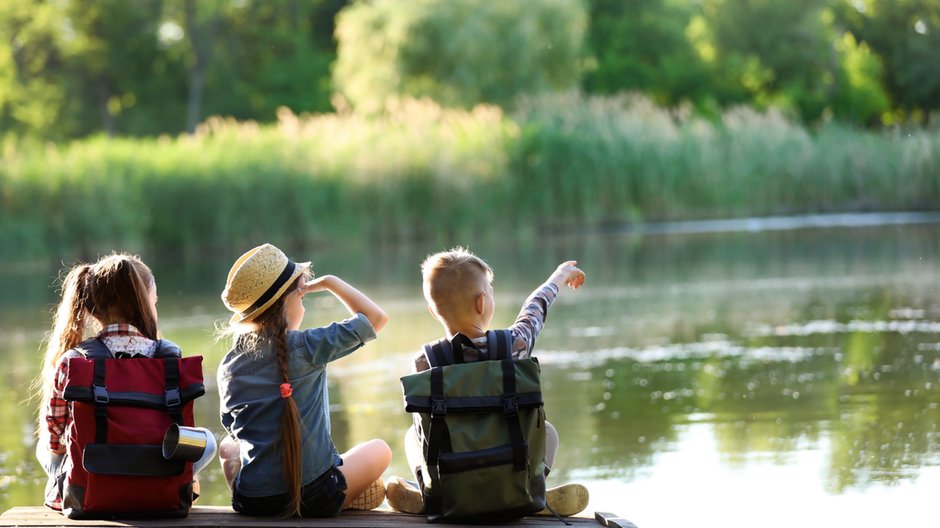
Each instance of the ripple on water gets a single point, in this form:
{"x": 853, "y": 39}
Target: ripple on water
{"x": 826, "y": 326}
{"x": 724, "y": 348}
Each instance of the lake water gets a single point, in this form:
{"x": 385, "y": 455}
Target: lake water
{"x": 775, "y": 378}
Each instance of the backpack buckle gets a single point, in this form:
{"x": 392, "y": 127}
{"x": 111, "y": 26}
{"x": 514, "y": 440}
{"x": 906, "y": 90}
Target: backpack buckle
{"x": 173, "y": 397}
{"x": 101, "y": 394}
{"x": 510, "y": 405}
{"x": 438, "y": 406}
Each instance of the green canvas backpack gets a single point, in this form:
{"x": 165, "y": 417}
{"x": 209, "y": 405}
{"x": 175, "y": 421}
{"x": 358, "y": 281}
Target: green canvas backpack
{"x": 482, "y": 428}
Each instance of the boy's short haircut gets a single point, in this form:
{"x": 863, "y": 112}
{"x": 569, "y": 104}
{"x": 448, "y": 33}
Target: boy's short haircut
{"x": 453, "y": 279}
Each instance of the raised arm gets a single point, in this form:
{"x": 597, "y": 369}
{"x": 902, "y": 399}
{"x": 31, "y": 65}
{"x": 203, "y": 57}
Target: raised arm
{"x": 531, "y": 318}
{"x": 354, "y": 300}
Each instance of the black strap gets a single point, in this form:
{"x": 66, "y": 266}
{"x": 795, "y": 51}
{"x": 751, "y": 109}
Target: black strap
{"x": 491, "y": 346}
{"x": 99, "y": 353}
{"x": 498, "y": 344}
{"x": 511, "y": 412}
{"x": 100, "y": 391}
{"x": 173, "y": 395}
{"x": 438, "y": 425}
{"x": 506, "y": 341}
{"x": 457, "y": 345}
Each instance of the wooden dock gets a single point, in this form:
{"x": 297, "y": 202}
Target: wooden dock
{"x": 224, "y": 516}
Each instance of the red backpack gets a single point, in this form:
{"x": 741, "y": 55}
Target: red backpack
{"x": 121, "y": 409}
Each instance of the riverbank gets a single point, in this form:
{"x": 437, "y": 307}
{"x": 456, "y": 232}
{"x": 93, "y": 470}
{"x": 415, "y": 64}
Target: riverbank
{"x": 428, "y": 173}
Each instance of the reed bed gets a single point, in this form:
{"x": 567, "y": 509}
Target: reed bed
{"x": 426, "y": 172}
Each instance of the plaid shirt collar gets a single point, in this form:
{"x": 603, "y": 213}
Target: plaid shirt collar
{"x": 120, "y": 329}
{"x": 124, "y": 340}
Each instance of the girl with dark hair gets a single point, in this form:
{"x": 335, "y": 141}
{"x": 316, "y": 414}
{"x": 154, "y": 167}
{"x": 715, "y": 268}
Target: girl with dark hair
{"x": 117, "y": 298}
{"x": 279, "y": 457}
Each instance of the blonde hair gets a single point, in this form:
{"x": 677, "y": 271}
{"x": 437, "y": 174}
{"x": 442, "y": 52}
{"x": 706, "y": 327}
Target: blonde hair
{"x": 271, "y": 326}
{"x": 115, "y": 288}
{"x": 453, "y": 279}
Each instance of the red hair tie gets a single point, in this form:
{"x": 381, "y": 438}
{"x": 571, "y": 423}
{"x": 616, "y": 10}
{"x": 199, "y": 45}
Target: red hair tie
{"x": 286, "y": 390}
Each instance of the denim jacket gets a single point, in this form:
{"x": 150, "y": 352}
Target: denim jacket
{"x": 250, "y": 402}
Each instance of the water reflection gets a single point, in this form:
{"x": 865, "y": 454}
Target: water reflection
{"x": 816, "y": 353}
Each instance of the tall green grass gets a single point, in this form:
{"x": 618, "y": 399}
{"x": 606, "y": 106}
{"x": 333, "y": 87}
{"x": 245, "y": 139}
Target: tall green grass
{"x": 428, "y": 172}
{"x": 623, "y": 158}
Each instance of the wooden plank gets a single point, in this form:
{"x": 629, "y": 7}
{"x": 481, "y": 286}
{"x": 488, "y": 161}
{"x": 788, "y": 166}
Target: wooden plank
{"x": 612, "y": 520}
{"x": 224, "y": 516}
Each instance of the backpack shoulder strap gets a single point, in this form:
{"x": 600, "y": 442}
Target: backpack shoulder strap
{"x": 499, "y": 344}
{"x": 439, "y": 353}
{"x": 95, "y": 349}
{"x": 166, "y": 348}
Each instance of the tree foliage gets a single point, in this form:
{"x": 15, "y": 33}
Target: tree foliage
{"x": 457, "y": 52}
{"x": 905, "y": 35}
{"x": 797, "y": 55}
{"x": 642, "y": 46}
{"x": 72, "y": 68}
{"x": 32, "y": 95}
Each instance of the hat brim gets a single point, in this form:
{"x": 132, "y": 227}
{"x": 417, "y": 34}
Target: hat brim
{"x": 299, "y": 269}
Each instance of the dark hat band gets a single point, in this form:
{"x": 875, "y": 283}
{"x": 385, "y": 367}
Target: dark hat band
{"x": 273, "y": 289}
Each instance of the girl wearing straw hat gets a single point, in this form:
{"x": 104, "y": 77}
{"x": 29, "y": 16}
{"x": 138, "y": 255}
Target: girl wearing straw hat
{"x": 279, "y": 458}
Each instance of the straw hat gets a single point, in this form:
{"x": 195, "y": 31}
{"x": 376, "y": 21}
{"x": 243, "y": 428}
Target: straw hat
{"x": 258, "y": 279}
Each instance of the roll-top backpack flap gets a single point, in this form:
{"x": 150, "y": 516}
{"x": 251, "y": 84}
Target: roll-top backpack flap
{"x": 482, "y": 427}
{"x": 139, "y": 382}
{"x": 473, "y": 386}
{"x": 121, "y": 409}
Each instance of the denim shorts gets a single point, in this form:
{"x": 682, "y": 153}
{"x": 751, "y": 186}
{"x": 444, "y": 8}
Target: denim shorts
{"x": 323, "y": 497}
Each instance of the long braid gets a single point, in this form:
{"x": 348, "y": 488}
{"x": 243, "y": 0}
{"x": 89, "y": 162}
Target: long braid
{"x": 271, "y": 326}
{"x": 290, "y": 428}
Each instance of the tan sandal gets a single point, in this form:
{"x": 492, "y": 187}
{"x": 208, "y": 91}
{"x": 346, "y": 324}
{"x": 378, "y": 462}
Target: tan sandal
{"x": 404, "y": 496}
{"x": 566, "y": 500}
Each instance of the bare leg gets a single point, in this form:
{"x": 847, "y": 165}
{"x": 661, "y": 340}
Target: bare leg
{"x": 229, "y": 457}
{"x": 363, "y": 465}
{"x": 551, "y": 445}
{"x": 566, "y": 499}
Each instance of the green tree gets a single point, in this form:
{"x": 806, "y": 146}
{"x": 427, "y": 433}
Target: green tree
{"x": 124, "y": 81}
{"x": 860, "y": 96}
{"x": 906, "y": 36}
{"x": 643, "y": 46}
{"x": 267, "y": 54}
{"x": 457, "y": 52}
{"x": 202, "y": 23}
{"x": 32, "y": 63}
{"x": 777, "y": 53}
